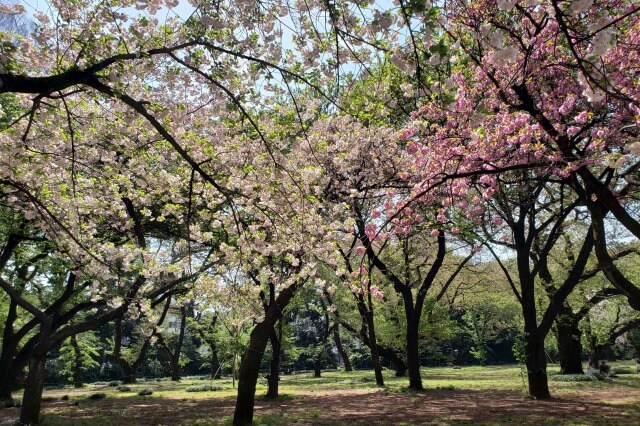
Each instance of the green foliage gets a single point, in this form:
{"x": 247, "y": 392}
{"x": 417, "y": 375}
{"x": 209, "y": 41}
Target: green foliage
{"x": 145, "y": 392}
{"x": 87, "y": 349}
{"x": 485, "y": 317}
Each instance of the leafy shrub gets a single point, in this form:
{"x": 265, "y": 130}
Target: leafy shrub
{"x": 145, "y": 392}
{"x": 97, "y": 396}
{"x": 622, "y": 370}
{"x": 575, "y": 378}
{"x": 123, "y": 388}
{"x": 202, "y": 388}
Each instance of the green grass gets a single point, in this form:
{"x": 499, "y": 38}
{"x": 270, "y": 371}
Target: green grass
{"x": 436, "y": 378}
{"x": 297, "y": 388}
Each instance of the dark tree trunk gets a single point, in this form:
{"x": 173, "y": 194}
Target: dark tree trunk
{"x": 375, "y": 356}
{"x": 317, "y": 366}
{"x": 250, "y": 364}
{"x": 569, "y": 344}
{"x": 128, "y": 370}
{"x": 175, "y": 370}
{"x": 400, "y": 366}
{"x": 77, "y": 364}
{"x": 534, "y": 354}
{"x": 343, "y": 353}
{"x": 32, "y": 397}
{"x": 413, "y": 356}
{"x": 174, "y": 356}
{"x": 395, "y": 358}
{"x": 273, "y": 379}
{"x": 9, "y": 351}
{"x": 536, "y": 362}
{"x": 215, "y": 362}
{"x": 248, "y": 375}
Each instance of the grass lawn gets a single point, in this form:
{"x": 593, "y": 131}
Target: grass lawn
{"x": 470, "y": 395}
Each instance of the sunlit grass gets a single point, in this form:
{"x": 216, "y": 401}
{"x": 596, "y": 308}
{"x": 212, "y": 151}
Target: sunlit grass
{"x": 510, "y": 377}
{"x": 296, "y": 389}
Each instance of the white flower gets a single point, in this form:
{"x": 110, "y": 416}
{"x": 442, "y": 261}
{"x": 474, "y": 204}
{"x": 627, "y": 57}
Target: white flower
{"x": 508, "y": 54}
{"x": 580, "y": 6}
{"x": 434, "y": 59}
{"x": 507, "y": 4}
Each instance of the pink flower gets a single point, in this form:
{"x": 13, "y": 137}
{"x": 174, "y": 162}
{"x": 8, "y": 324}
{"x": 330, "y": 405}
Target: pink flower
{"x": 573, "y": 130}
{"x": 435, "y": 233}
{"x": 581, "y": 118}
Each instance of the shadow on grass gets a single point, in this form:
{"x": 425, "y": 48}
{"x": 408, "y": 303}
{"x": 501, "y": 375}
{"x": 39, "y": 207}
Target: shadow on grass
{"x": 363, "y": 407}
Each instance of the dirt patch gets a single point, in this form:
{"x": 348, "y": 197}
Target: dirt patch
{"x": 360, "y": 407}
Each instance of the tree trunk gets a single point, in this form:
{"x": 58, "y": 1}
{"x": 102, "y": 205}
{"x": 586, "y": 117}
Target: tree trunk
{"x": 215, "y": 362}
{"x": 536, "y": 362}
{"x": 569, "y": 344}
{"x": 397, "y": 363}
{"x": 175, "y": 370}
{"x": 274, "y": 372}
{"x": 400, "y": 366}
{"x": 343, "y": 353}
{"x": 128, "y": 372}
{"x": 248, "y": 377}
{"x": 413, "y": 356}
{"x": 77, "y": 364}
{"x": 32, "y": 397}
{"x": 250, "y": 364}
{"x": 9, "y": 351}
{"x": 7, "y": 374}
{"x": 375, "y": 356}
{"x": 317, "y": 366}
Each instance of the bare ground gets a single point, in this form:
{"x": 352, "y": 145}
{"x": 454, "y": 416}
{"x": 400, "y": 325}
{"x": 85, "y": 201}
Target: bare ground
{"x": 360, "y": 407}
